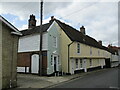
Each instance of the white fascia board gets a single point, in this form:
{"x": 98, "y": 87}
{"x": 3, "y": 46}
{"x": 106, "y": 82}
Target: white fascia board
{"x": 50, "y": 26}
{"x": 10, "y": 25}
{"x": 17, "y": 33}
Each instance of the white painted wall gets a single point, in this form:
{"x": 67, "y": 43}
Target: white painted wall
{"x": 114, "y": 58}
{"x": 22, "y": 69}
{"x": 32, "y": 42}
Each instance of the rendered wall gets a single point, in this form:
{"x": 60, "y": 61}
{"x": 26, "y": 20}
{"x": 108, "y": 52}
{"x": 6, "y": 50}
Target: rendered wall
{"x": 9, "y": 58}
{"x": 64, "y": 41}
{"x": 53, "y": 31}
{"x": 31, "y": 43}
{"x": 0, "y": 55}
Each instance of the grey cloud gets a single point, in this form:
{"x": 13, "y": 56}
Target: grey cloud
{"x": 24, "y": 9}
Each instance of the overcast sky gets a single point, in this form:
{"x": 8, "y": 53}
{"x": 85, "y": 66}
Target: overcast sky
{"x": 100, "y": 18}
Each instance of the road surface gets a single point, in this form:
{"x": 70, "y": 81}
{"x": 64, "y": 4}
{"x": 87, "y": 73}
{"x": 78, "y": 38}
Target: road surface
{"x": 101, "y": 79}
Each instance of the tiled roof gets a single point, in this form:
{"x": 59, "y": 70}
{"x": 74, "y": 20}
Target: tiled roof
{"x": 36, "y": 29}
{"x": 77, "y": 36}
{"x": 71, "y": 32}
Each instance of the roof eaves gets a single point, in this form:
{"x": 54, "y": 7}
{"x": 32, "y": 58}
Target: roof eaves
{"x": 10, "y": 25}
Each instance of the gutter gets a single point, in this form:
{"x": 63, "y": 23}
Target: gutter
{"x": 69, "y": 55}
{"x": 17, "y": 33}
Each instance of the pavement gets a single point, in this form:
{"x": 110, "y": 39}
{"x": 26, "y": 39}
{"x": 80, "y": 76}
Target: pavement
{"x": 35, "y": 81}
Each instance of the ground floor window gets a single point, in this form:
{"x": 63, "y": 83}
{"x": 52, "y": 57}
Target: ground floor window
{"x": 51, "y": 59}
{"x": 90, "y": 62}
{"x": 76, "y": 63}
{"x": 81, "y": 63}
{"x": 98, "y": 62}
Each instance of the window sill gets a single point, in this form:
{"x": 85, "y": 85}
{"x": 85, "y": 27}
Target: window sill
{"x": 91, "y": 66}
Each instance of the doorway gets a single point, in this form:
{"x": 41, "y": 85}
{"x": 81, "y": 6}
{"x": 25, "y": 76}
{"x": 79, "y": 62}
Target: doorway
{"x": 35, "y": 64}
{"x": 55, "y": 59}
{"x": 107, "y": 63}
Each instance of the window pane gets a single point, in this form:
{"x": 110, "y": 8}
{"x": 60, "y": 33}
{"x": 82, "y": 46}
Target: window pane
{"x": 80, "y": 63}
{"x": 76, "y": 63}
{"x": 51, "y": 59}
{"x": 54, "y": 41}
{"x": 78, "y": 48}
{"x": 90, "y": 62}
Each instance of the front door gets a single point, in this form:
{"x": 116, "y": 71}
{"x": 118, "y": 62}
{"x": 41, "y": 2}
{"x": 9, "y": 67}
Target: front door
{"x": 107, "y": 63}
{"x": 55, "y": 63}
{"x": 35, "y": 64}
{"x": 72, "y": 66}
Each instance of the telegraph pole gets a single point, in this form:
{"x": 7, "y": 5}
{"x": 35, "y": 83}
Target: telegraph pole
{"x": 40, "y": 51}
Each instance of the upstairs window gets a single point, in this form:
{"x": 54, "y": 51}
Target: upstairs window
{"x": 98, "y": 53}
{"x": 90, "y": 50}
{"x": 54, "y": 41}
{"x": 78, "y": 48}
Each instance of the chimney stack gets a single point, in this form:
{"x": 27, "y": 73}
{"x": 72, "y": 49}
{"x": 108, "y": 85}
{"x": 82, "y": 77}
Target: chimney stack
{"x": 100, "y": 42}
{"x": 32, "y": 21}
{"x": 52, "y": 18}
{"x": 82, "y": 30}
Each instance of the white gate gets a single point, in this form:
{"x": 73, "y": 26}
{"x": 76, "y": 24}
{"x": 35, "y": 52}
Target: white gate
{"x": 35, "y": 63}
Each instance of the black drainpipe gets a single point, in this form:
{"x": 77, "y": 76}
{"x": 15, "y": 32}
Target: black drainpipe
{"x": 69, "y": 56}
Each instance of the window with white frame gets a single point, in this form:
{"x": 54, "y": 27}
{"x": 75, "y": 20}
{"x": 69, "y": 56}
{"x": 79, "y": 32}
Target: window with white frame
{"x": 54, "y": 41}
{"x": 98, "y": 62}
{"x": 58, "y": 60}
{"x": 90, "y": 50}
{"x": 76, "y": 63}
{"x": 90, "y": 62}
{"x": 51, "y": 59}
{"x": 98, "y": 53}
{"x": 81, "y": 63}
{"x": 78, "y": 47}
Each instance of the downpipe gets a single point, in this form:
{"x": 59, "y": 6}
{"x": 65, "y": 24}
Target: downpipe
{"x": 69, "y": 56}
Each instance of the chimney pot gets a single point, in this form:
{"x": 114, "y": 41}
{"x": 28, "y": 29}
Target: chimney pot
{"x": 32, "y": 21}
{"x": 100, "y": 42}
{"x": 82, "y": 30}
{"x": 52, "y": 17}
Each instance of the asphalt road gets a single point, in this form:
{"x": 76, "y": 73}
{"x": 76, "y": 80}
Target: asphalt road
{"x": 102, "y": 79}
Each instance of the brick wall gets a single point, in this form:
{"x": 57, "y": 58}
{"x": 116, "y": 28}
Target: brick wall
{"x": 24, "y": 59}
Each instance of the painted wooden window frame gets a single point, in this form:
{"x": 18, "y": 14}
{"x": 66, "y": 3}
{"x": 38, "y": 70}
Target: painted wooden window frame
{"x": 98, "y": 53}
{"x": 78, "y": 48}
{"x": 81, "y": 63}
{"x": 54, "y": 41}
{"x": 76, "y": 62}
{"x": 51, "y": 62}
{"x": 90, "y": 50}
{"x": 90, "y": 62}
